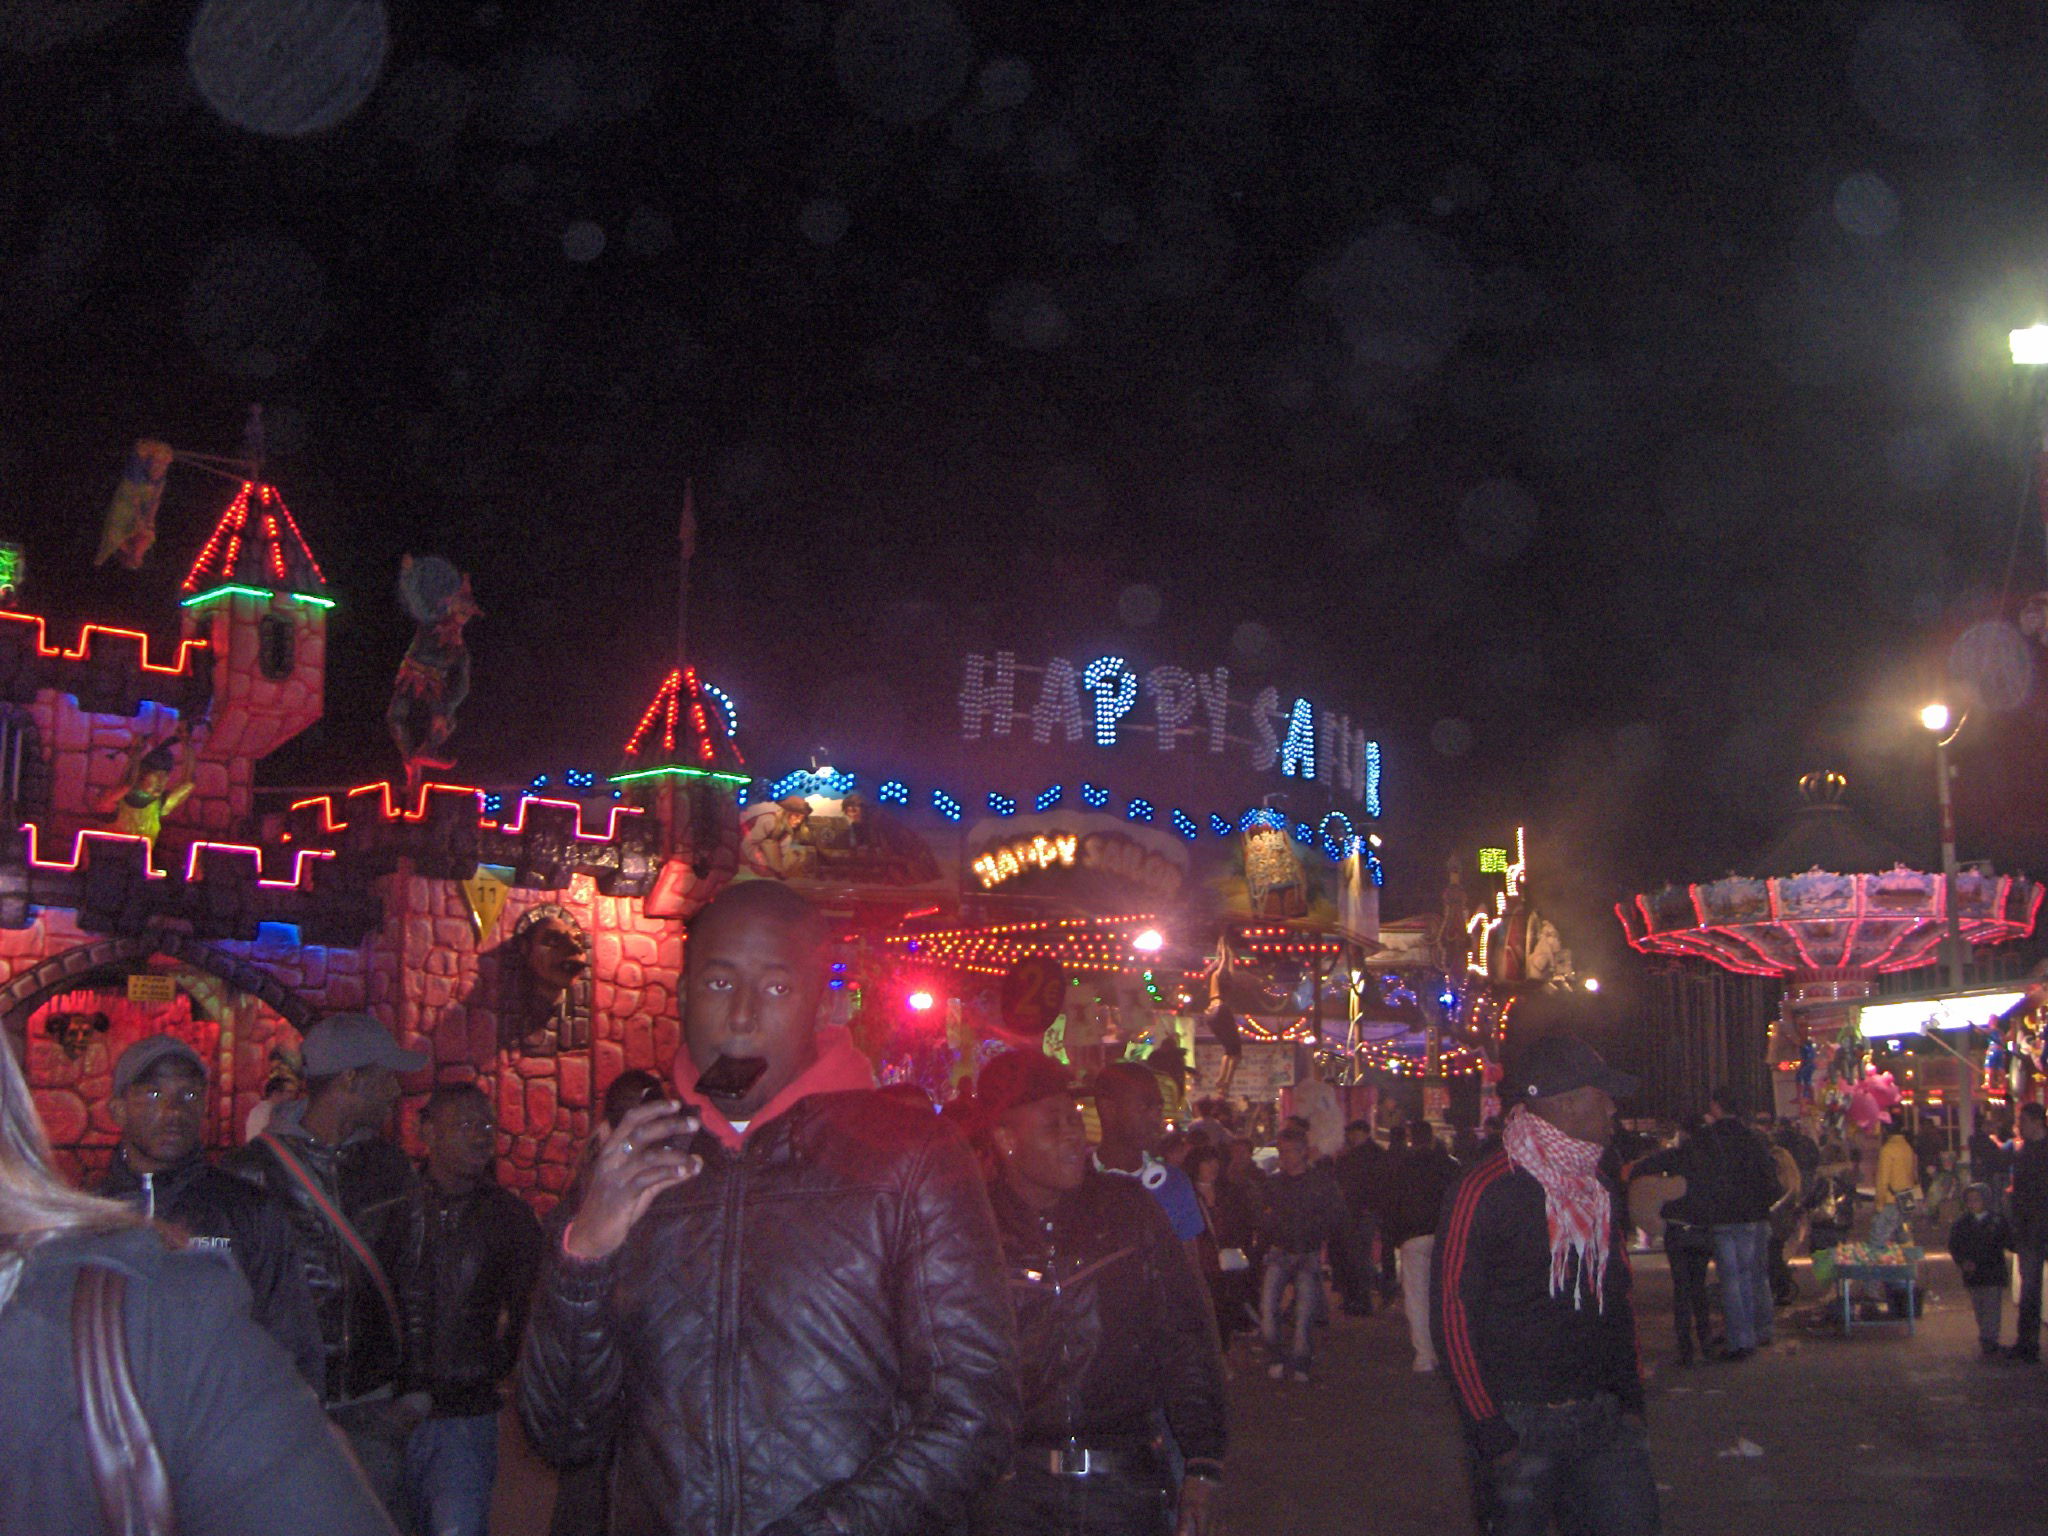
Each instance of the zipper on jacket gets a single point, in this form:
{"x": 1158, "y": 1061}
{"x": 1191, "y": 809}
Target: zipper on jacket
{"x": 724, "y": 1382}
{"x": 149, "y": 1195}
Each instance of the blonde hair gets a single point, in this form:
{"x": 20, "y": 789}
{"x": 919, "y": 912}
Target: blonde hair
{"x": 35, "y": 1204}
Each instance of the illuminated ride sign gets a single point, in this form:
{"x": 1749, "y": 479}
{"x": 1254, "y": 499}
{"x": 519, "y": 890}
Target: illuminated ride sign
{"x": 1970, "y": 1010}
{"x": 1126, "y": 858}
{"x": 1107, "y": 699}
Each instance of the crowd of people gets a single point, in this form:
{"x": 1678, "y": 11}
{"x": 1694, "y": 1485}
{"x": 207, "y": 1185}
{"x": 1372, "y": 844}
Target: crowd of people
{"x": 777, "y": 1300}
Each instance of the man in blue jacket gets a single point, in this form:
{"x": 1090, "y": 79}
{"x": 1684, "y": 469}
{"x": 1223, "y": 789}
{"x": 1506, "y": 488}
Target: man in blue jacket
{"x": 1531, "y": 1311}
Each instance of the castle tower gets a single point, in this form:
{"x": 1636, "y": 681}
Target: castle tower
{"x": 258, "y": 599}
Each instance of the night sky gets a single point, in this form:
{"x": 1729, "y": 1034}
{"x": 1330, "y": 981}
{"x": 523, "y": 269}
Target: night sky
{"x": 1607, "y": 403}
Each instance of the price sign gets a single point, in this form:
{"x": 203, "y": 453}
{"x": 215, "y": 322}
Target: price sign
{"x": 1033, "y": 991}
{"x": 148, "y": 987}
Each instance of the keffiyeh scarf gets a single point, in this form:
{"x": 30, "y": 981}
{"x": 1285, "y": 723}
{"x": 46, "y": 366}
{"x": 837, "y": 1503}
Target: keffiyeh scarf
{"x": 1579, "y": 1208}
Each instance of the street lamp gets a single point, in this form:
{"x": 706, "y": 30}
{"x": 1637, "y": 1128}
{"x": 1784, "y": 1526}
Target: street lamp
{"x": 1937, "y": 720}
{"x": 2030, "y": 346}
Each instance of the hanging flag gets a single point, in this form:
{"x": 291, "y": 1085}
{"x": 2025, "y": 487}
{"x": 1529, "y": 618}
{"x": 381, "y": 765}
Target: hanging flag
{"x": 131, "y": 517}
{"x": 485, "y": 892}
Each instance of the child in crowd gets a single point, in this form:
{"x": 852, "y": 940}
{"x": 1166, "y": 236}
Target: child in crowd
{"x": 1978, "y": 1242}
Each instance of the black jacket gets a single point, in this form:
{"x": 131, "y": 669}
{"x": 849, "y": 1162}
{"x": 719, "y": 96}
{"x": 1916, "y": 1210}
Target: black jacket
{"x": 2029, "y": 1208}
{"x": 245, "y": 1446}
{"x": 1365, "y": 1176}
{"x": 1682, "y": 1161}
{"x": 218, "y": 1210}
{"x": 1298, "y": 1213}
{"x": 372, "y": 1181}
{"x": 1978, "y": 1245}
{"x": 1113, "y": 1326}
{"x": 1421, "y": 1180}
{"x": 1506, "y": 1337}
{"x": 467, "y": 1298}
{"x": 818, "y": 1324}
{"x": 1731, "y": 1174}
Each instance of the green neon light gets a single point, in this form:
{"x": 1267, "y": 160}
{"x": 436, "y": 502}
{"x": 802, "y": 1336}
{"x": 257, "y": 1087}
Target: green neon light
{"x": 1493, "y": 861}
{"x": 236, "y": 590}
{"x": 681, "y": 773}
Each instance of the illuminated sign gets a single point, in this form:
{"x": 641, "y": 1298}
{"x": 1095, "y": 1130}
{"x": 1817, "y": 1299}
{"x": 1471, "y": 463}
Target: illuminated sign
{"x": 1110, "y": 853}
{"x": 1013, "y": 859}
{"x": 1108, "y": 698}
{"x": 1971, "y": 1010}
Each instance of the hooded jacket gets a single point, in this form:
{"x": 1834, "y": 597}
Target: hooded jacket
{"x": 372, "y": 1182}
{"x": 217, "y": 1210}
{"x": 811, "y": 1335}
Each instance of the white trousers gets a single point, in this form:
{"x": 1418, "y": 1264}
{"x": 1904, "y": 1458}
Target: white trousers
{"x": 1415, "y": 1257}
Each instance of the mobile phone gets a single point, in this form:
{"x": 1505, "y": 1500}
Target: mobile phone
{"x": 731, "y": 1076}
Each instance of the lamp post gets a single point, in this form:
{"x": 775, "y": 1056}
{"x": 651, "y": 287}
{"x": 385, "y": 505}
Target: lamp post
{"x": 1935, "y": 717}
{"x": 2030, "y": 352}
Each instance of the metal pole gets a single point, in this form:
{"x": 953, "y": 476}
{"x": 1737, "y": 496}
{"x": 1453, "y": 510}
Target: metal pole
{"x": 1952, "y": 942}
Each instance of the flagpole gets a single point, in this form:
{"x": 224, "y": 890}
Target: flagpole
{"x": 687, "y": 544}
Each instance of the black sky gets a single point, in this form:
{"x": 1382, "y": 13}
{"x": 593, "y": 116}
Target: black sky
{"x": 1607, "y": 402}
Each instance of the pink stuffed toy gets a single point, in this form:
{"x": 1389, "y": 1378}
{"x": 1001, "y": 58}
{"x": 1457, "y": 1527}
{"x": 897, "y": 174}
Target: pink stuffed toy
{"x": 1871, "y": 1099}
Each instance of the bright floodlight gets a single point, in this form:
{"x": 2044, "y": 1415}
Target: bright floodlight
{"x": 2030, "y": 347}
{"x": 1592, "y": 983}
{"x": 1935, "y": 716}
{"x": 921, "y": 1001}
{"x": 1149, "y": 942}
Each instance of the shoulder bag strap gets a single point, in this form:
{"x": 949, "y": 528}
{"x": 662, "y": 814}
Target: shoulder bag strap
{"x": 127, "y": 1468}
{"x": 343, "y": 1228}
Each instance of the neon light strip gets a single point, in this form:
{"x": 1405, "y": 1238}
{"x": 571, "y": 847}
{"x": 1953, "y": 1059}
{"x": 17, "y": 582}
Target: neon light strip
{"x": 193, "y": 855}
{"x": 611, "y": 831}
{"x": 235, "y": 589}
{"x": 78, "y": 651}
{"x": 680, "y": 773}
{"x": 382, "y": 789}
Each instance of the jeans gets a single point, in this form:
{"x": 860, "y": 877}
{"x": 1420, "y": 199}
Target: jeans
{"x": 450, "y": 1467}
{"x": 2027, "y": 1334}
{"x": 1305, "y": 1272}
{"x": 1415, "y": 1256}
{"x": 377, "y": 1428}
{"x": 1689, "y": 1249}
{"x": 1745, "y": 1286}
{"x": 1580, "y": 1464}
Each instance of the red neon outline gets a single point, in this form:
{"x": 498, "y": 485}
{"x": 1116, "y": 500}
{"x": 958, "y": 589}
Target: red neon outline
{"x": 78, "y": 652}
{"x": 234, "y": 519}
{"x": 192, "y": 855}
{"x": 389, "y": 812}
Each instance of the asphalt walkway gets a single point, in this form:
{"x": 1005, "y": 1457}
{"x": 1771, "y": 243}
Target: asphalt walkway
{"x": 1879, "y": 1434}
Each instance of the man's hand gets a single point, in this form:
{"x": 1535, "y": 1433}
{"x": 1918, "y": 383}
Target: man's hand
{"x": 639, "y": 1160}
{"x": 1199, "y": 1515}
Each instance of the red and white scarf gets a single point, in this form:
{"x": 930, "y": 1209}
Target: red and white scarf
{"x": 1580, "y": 1211}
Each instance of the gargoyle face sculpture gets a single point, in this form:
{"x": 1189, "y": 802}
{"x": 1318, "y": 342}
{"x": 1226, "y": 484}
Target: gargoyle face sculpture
{"x": 556, "y": 954}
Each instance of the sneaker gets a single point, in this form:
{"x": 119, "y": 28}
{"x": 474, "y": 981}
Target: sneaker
{"x": 1301, "y": 1376}
{"x": 1277, "y": 1371}
{"x": 2025, "y": 1356}
{"x": 1990, "y": 1347}
{"x": 1425, "y": 1367}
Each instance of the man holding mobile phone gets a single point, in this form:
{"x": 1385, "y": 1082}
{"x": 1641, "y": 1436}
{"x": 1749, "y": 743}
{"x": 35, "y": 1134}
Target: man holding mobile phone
{"x": 785, "y": 1297}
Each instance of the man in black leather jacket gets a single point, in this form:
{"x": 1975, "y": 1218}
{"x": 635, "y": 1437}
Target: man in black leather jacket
{"x": 333, "y": 1135}
{"x": 466, "y": 1309}
{"x": 159, "y": 1168}
{"x": 1114, "y": 1332}
{"x": 785, "y": 1297}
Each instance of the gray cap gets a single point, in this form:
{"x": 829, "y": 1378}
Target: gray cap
{"x": 141, "y": 1058}
{"x": 341, "y": 1042}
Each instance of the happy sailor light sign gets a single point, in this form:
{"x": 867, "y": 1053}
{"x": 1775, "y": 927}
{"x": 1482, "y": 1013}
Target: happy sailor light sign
{"x": 1108, "y": 700}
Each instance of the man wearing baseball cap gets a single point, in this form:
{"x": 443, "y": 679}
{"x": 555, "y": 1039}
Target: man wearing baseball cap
{"x": 1530, "y": 1305}
{"x": 1114, "y": 1330}
{"x": 349, "y": 1194}
{"x": 160, "y": 1168}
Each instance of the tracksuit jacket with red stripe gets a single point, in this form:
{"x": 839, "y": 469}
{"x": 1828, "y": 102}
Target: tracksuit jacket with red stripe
{"x": 1505, "y": 1338}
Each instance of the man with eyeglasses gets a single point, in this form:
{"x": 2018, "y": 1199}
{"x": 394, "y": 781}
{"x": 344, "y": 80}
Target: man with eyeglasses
{"x": 160, "y": 1168}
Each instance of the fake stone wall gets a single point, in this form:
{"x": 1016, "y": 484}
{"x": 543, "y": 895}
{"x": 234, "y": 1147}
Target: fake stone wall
{"x": 424, "y": 975}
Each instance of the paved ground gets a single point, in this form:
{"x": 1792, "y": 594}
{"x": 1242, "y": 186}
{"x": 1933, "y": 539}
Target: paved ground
{"x": 1880, "y": 1434}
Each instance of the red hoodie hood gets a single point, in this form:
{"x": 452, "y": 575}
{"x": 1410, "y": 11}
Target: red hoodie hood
{"x": 840, "y": 1066}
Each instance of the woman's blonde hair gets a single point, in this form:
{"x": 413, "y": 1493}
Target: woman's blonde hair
{"x": 34, "y": 1203}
